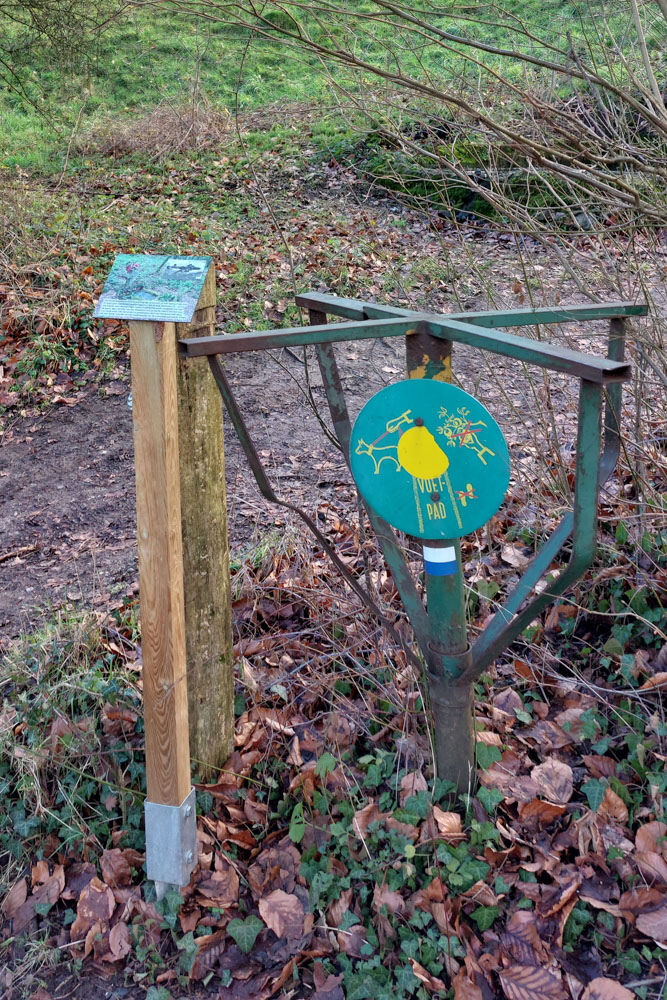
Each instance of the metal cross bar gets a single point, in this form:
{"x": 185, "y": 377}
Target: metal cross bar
{"x": 356, "y": 309}
{"x": 602, "y": 370}
{"x": 299, "y": 336}
{"x": 560, "y": 359}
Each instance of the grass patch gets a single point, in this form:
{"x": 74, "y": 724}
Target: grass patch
{"x": 151, "y": 59}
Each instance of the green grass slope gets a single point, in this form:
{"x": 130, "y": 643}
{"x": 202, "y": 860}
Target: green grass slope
{"x": 151, "y": 56}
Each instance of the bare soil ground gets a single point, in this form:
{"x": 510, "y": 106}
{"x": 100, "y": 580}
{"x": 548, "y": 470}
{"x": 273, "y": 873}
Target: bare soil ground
{"x": 67, "y": 517}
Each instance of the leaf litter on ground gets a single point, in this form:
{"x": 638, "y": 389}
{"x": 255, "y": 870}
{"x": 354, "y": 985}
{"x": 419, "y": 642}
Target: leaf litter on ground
{"x": 327, "y": 853}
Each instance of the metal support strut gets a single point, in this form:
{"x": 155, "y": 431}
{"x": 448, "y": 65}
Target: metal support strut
{"x": 452, "y": 664}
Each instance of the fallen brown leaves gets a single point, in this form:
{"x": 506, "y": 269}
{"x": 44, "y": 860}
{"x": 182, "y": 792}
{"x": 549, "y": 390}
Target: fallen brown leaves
{"x": 499, "y": 889}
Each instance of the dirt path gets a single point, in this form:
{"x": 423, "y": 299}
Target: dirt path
{"x": 67, "y": 519}
{"x": 67, "y": 490}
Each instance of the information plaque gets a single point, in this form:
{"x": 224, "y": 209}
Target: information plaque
{"x": 429, "y": 459}
{"x": 144, "y": 287}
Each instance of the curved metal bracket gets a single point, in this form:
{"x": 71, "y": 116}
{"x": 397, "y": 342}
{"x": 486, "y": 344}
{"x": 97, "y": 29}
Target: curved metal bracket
{"x": 269, "y": 493}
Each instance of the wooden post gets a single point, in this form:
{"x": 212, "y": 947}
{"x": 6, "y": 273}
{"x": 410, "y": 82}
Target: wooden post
{"x": 155, "y": 416}
{"x": 205, "y": 549}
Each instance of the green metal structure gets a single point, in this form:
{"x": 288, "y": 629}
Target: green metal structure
{"x": 452, "y": 663}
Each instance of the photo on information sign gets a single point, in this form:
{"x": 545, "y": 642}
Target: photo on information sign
{"x": 147, "y": 287}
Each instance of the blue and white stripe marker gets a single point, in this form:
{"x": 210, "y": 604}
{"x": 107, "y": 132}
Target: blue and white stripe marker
{"x": 440, "y": 561}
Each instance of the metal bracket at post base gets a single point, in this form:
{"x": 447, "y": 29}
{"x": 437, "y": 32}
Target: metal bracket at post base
{"x": 171, "y": 843}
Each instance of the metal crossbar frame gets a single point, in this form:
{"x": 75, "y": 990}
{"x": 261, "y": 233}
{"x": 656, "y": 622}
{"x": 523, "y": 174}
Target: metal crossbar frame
{"x": 600, "y": 380}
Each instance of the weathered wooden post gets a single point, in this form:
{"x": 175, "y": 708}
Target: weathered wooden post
{"x": 182, "y": 545}
{"x": 208, "y": 627}
{"x": 170, "y": 807}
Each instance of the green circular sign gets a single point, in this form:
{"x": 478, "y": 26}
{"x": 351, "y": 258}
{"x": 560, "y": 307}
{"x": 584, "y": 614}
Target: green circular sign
{"x": 429, "y": 459}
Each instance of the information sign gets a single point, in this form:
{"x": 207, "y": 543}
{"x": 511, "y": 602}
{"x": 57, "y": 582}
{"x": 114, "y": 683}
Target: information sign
{"x": 429, "y": 459}
{"x": 144, "y": 287}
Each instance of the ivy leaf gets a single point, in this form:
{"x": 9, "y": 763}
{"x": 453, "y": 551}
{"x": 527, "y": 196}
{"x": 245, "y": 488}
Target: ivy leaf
{"x": 613, "y": 647}
{"x": 484, "y": 916}
{"x": 406, "y": 981}
{"x": 490, "y": 798}
{"x": 297, "y": 826}
{"x": 245, "y": 931}
{"x": 418, "y": 805}
{"x": 158, "y": 993}
{"x": 487, "y": 755}
{"x": 500, "y": 885}
{"x": 594, "y": 791}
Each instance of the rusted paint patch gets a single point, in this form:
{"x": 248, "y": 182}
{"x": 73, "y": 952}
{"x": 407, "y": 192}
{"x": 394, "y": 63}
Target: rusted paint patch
{"x": 440, "y": 370}
{"x": 427, "y": 356}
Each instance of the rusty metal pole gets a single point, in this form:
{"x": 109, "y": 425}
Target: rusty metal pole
{"x": 449, "y": 658}
{"x": 449, "y": 653}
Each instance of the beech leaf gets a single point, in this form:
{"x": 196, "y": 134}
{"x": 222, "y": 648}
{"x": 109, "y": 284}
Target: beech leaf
{"x": 283, "y": 913}
{"x": 448, "y": 823}
{"x": 15, "y": 898}
{"x": 464, "y": 988}
{"x": 554, "y": 780}
{"x": 530, "y": 982}
{"x": 119, "y": 942}
{"x": 613, "y": 807}
{"x": 654, "y": 924}
{"x": 606, "y": 989}
{"x": 431, "y": 982}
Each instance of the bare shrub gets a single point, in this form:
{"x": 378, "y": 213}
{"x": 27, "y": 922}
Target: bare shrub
{"x": 173, "y": 126}
{"x": 554, "y": 133}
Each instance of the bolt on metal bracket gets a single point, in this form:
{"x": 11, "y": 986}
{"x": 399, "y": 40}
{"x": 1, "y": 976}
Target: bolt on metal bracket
{"x": 171, "y": 843}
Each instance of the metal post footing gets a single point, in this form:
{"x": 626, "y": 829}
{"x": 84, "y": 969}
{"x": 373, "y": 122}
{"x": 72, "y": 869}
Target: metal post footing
{"x": 171, "y": 843}
{"x": 445, "y": 667}
{"x": 454, "y": 732}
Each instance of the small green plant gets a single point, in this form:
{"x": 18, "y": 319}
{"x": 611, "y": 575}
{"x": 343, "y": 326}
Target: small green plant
{"x": 64, "y": 681}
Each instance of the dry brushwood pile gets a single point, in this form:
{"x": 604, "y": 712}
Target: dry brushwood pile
{"x": 331, "y": 864}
